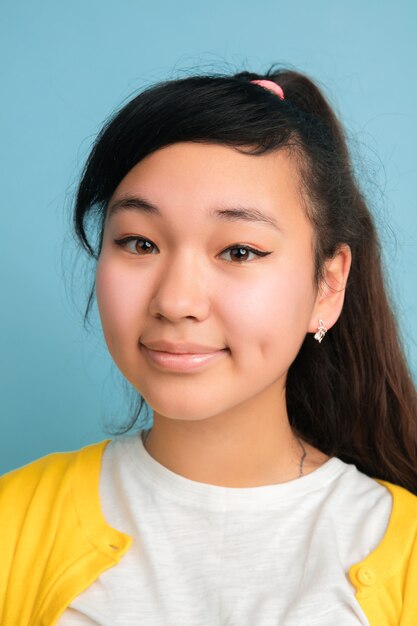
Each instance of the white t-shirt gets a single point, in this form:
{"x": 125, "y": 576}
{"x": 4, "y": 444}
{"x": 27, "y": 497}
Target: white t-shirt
{"x": 205, "y": 555}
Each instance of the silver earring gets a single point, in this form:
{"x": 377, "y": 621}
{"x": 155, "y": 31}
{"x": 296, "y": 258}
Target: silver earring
{"x": 321, "y": 331}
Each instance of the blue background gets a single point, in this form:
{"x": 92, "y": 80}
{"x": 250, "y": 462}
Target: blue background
{"x": 65, "y": 66}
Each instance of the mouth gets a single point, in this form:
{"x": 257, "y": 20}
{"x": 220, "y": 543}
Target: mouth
{"x": 179, "y": 347}
{"x": 182, "y": 362}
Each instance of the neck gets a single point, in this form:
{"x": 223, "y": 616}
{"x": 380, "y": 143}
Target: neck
{"x": 233, "y": 450}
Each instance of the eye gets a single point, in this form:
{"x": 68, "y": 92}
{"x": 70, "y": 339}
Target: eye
{"x": 242, "y": 250}
{"x": 135, "y": 240}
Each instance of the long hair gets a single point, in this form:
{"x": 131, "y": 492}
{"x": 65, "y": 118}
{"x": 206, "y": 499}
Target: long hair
{"x": 353, "y": 396}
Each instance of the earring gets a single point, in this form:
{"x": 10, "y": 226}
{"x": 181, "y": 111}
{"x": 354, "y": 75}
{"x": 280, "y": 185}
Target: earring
{"x": 321, "y": 331}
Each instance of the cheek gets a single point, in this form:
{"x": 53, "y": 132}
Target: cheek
{"x": 271, "y": 320}
{"x": 119, "y": 299}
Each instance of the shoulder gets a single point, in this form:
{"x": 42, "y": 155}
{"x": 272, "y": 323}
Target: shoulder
{"x": 404, "y": 501}
{"x": 402, "y": 530}
{"x": 45, "y": 477}
{"x": 52, "y": 532}
{"x": 44, "y": 498}
{"x": 398, "y": 547}
{"x": 386, "y": 579}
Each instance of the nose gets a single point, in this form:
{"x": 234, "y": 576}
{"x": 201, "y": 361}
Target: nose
{"x": 180, "y": 289}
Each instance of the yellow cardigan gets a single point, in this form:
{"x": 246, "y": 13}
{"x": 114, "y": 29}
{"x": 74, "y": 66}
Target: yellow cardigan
{"x": 55, "y": 541}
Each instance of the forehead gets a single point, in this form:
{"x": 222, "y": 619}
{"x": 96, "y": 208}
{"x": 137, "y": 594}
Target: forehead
{"x": 224, "y": 166}
{"x": 194, "y": 177}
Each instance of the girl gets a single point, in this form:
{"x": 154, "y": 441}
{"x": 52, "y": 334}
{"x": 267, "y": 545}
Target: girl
{"x": 278, "y": 482}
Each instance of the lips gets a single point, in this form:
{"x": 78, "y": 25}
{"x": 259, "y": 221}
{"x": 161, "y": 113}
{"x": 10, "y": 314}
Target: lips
{"x": 162, "y": 345}
{"x": 182, "y": 362}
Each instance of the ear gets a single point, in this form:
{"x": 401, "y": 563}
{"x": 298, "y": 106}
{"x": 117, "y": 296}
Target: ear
{"x": 331, "y": 291}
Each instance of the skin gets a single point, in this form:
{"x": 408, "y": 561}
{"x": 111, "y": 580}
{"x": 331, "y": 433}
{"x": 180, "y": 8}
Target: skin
{"x": 226, "y": 424}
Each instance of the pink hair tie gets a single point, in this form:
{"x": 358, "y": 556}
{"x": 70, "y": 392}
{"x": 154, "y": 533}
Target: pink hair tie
{"x": 271, "y": 86}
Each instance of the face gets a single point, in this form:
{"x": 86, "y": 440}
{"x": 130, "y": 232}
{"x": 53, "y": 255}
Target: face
{"x": 192, "y": 275}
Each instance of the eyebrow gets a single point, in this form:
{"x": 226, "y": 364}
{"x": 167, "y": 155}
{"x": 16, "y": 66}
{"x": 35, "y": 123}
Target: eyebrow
{"x": 227, "y": 214}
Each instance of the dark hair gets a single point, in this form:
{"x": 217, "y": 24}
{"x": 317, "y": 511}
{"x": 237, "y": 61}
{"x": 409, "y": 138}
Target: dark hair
{"x": 353, "y": 397}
